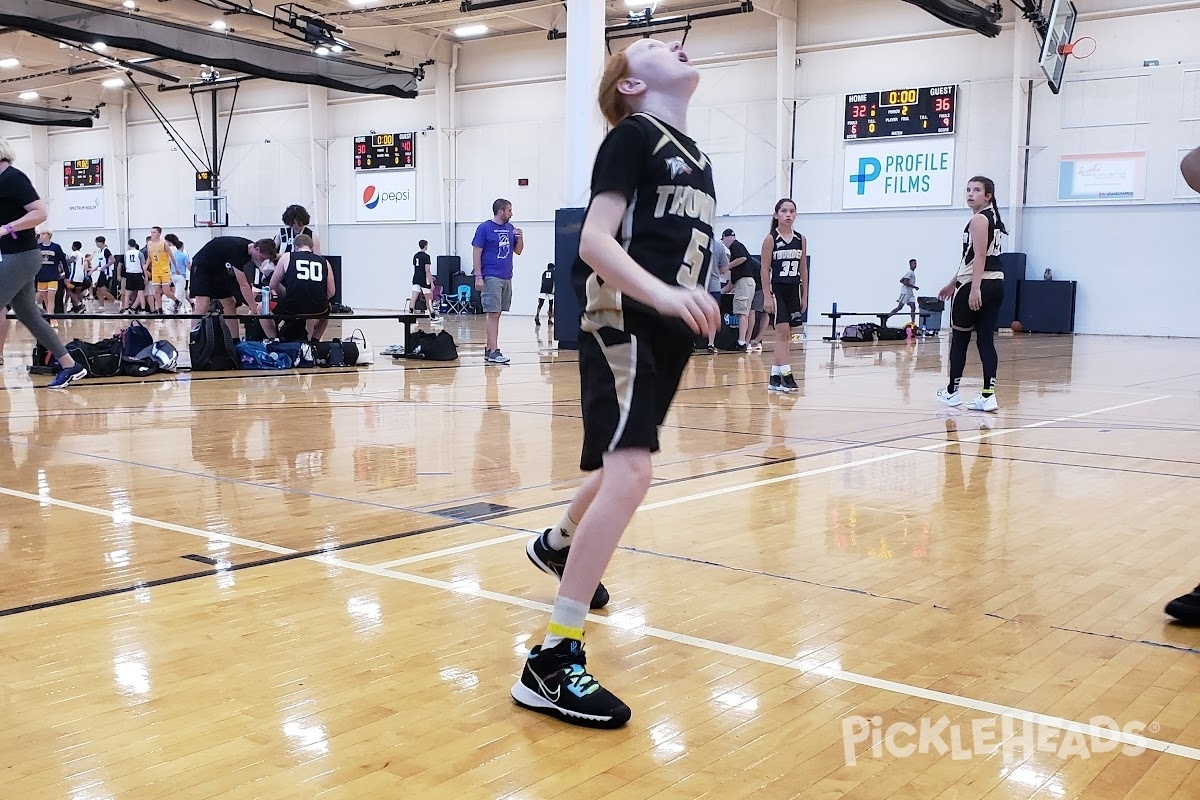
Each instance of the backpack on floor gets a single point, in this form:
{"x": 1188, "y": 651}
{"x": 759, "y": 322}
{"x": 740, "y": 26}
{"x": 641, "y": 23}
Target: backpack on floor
{"x": 886, "y": 334}
{"x": 853, "y": 333}
{"x": 211, "y": 344}
{"x": 44, "y": 362}
{"x": 336, "y": 354}
{"x": 301, "y": 353}
{"x": 438, "y": 346}
{"x": 254, "y": 355}
{"x": 101, "y": 359}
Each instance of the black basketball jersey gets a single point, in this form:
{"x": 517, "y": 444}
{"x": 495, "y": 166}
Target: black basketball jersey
{"x": 287, "y": 237}
{"x": 667, "y": 229}
{"x": 547, "y": 282}
{"x": 785, "y": 258}
{"x": 305, "y": 278}
{"x": 421, "y": 260}
{"x": 993, "y": 247}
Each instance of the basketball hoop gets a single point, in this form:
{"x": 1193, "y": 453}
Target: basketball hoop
{"x": 1073, "y": 48}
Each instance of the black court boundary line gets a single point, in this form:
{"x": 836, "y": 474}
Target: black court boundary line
{"x": 915, "y": 603}
{"x": 278, "y": 559}
{"x": 389, "y": 538}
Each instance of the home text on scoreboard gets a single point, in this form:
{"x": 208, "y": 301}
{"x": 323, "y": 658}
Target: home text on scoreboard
{"x": 927, "y": 111}
{"x": 385, "y": 151}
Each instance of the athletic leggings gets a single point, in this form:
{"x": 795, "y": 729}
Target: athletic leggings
{"x": 17, "y": 273}
{"x": 984, "y": 321}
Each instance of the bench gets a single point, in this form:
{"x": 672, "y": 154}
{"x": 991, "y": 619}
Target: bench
{"x": 406, "y": 320}
{"x": 882, "y": 315}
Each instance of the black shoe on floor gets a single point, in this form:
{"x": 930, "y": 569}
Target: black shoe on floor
{"x": 556, "y": 682}
{"x": 1186, "y": 609}
{"x": 553, "y": 562}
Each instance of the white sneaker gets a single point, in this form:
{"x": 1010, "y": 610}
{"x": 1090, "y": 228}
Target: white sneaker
{"x": 983, "y": 403}
{"x": 949, "y": 398}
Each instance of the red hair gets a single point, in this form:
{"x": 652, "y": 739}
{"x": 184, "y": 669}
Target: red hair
{"x": 613, "y": 104}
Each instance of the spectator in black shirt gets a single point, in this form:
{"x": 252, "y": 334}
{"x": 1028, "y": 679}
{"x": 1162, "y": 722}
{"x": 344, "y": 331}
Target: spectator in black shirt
{"x": 741, "y": 275}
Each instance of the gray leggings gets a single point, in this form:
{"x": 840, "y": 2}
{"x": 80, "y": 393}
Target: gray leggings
{"x": 17, "y": 272}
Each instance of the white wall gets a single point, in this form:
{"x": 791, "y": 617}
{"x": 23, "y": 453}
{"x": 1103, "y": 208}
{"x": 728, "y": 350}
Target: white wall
{"x": 509, "y": 117}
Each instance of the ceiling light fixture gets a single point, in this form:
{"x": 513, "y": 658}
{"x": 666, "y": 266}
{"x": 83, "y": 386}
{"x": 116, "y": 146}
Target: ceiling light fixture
{"x": 219, "y": 25}
{"x": 9, "y": 62}
{"x": 466, "y": 31}
{"x": 28, "y": 95}
{"x": 337, "y": 48}
{"x": 113, "y": 83}
{"x": 322, "y": 50}
{"x": 130, "y": 5}
{"x": 101, "y": 46}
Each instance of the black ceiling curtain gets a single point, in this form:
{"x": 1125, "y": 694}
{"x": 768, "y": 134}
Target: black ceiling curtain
{"x": 75, "y": 22}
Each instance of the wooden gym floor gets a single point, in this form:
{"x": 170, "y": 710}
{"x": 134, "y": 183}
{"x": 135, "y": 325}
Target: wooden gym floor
{"x": 314, "y": 585}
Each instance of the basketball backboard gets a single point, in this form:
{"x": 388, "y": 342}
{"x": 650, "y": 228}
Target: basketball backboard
{"x": 1056, "y": 47}
{"x": 211, "y": 212}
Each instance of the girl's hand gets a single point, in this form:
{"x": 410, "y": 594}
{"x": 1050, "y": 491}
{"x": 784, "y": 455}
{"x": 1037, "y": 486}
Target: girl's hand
{"x": 696, "y": 308}
{"x": 976, "y": 299}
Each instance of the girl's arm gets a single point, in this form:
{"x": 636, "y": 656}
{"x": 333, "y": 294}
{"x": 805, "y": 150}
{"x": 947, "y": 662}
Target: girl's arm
{"x": 599, "y": 248}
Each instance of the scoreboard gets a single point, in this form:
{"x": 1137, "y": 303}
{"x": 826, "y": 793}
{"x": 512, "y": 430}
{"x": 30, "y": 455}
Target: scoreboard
{"x": 83, "y": 172}
{"x": 901, "y": 112}
{"x": 385, "y": 151}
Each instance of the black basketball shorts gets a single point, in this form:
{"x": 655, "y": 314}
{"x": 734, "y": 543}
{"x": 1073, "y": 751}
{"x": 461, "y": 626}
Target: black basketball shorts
{"x": 787, "y": 302}
{"x": 963, "y": 317}
{"x": 214, "y": 282}
{"x": 627, "y": 384}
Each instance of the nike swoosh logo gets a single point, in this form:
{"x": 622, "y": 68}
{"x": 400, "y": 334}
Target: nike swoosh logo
{"x": 551, "y": 696}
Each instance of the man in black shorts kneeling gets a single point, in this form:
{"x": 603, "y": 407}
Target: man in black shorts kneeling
{"x": 304, "y": 285}
{"x": 219, "y": 273}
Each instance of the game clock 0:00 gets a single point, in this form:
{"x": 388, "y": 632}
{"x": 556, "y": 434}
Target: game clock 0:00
{"x": 83, "y": 172}
{"x": 928, "y": 111}
{"x": 385, "y": 151}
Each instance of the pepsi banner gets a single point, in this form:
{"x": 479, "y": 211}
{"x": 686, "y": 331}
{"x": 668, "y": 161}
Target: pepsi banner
{"x": 899, "y": 174}
{"x": 386, "y": 196}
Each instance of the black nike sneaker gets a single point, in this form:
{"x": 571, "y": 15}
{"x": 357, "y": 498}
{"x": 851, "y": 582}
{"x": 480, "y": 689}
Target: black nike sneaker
{"x": 1186, "y": 609}
{"x": 556, "y": 682}
{"x": 553, "y": 562}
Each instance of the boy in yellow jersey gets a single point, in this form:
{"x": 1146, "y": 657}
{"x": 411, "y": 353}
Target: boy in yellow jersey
{"x": 158, "y": 260}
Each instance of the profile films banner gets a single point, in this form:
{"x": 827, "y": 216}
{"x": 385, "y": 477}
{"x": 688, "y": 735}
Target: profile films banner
{"x": 899, "y": 174}
{"x": 1102, "y": 176}
{"x": 85, "y": 209}
{"x": 386, "y": 196}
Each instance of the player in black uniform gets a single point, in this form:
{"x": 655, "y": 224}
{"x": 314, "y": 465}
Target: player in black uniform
{"x": 977, "y": 291}
{"x": 422, "y": 282}
{"x": 295, "y": 222}
{"x": 304, "y": 284}
{"x": 546, "y": 294}
{"x": 644, "y": 254}
{"x": 219, "y": 273}
{"x": 785, "y": 270}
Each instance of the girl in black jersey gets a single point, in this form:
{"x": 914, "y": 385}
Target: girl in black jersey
{"x": 785, "y": 271}
{"x": 644, "y": 253}
{"x": 977, "y": 291}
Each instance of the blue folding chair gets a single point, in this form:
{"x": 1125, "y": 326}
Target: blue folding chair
{"x": 460, "y": 301}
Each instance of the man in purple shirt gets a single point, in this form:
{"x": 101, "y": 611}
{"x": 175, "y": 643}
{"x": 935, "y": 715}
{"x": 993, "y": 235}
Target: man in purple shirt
{"x": 496, "y": 242}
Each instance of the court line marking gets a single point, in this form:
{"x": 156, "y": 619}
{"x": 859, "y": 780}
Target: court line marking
{"x": 632, "y": 624}
{"x": 450, "y": 551}
{"x": 890, "y": 456}
{"x": 900, "y": 453}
